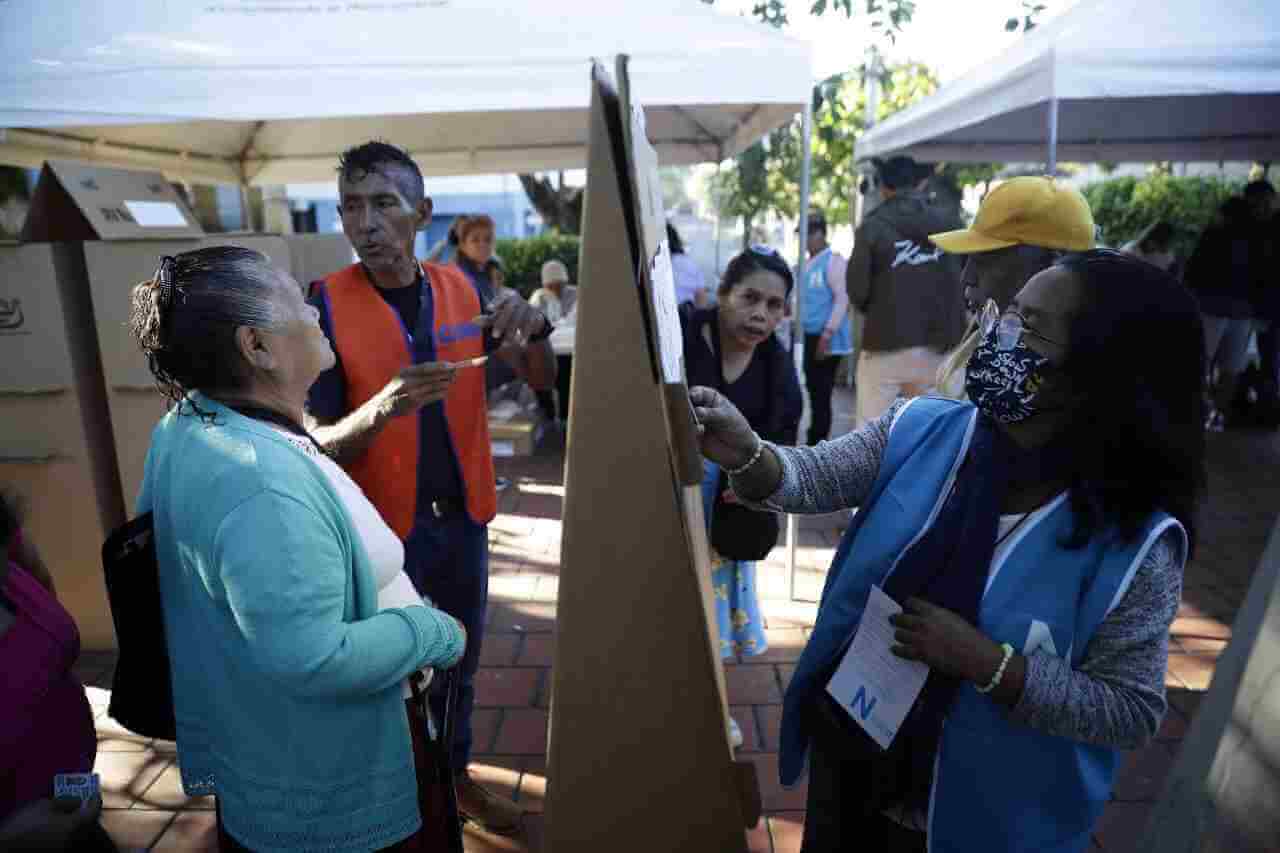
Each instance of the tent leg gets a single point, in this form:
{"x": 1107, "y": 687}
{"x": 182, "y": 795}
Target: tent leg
{"x": 797, "y": 337}
{"x": 1051, "y": 162}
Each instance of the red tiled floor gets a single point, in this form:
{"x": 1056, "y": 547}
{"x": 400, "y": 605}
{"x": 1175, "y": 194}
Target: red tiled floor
{"x": 1200, "y": 646}
{"x": 772, "y": 794}
{"x": 499, "y": 649}
{"x": 752, "y": 684}
{"x": 166, "y": 793}
{"x": 538, "y": 650}
{"x": 125, "y": 775}
{"x": 505, "y": 687}
{"x": 134, "y": 828}
{"x": 770, "y": 722}
{"x": 523, "y": 732}
{"x": 746, "y": 718}
{"x": 484, "y": 728}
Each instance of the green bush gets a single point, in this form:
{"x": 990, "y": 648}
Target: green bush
{"x": 1123, "y": 207}
{"x": 523, "y": 259}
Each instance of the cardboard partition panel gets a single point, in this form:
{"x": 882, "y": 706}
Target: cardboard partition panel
{"x": 113, "y": 268}
{"x": 639, "y": 757}
{"x": 55, "y": 433}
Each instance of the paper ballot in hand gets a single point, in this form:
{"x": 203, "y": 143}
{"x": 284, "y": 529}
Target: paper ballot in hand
{"x": 873, "y": 685}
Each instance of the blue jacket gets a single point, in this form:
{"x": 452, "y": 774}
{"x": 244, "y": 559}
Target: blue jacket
{"x": 286, "y": 678}
{"x": 998, "y": 785}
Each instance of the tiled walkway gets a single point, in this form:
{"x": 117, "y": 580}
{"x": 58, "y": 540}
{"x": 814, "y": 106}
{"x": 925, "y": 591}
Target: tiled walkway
{"x": 145, "y": 806}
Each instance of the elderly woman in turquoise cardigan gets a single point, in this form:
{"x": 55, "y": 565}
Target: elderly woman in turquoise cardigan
{"x": 1034, "y": 539}
{"x": 289, "y": 660}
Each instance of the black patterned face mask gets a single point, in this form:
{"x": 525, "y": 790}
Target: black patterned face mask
{"x": 1004, "y": 384}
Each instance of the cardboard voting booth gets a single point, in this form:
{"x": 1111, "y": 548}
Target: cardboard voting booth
{"x": 55, "y": 433}
{"x": 638, "y": 740}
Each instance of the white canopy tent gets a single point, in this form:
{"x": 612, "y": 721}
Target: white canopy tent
{"x": 269, "y": 91}
{"x": 1117, "y": 80}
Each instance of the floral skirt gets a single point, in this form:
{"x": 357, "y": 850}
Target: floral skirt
{"x": 733, "y": 586}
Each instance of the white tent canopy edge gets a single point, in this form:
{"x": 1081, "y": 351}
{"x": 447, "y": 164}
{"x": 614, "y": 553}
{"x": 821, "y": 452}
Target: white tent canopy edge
{"x": 1126, "y": 80}
{"x": 194, "y": 90}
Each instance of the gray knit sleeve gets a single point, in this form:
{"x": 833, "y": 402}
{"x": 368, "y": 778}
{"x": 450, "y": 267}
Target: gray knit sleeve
{"x": 832, "y": 475}
{"x": 1116, "y": 698}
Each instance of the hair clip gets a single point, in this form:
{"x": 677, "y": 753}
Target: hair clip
{"x": 766, "y": 251}
{"x": 164, "y": 278}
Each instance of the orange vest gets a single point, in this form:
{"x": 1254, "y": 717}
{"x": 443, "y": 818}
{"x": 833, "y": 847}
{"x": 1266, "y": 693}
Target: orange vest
{"x": 374, "y": 347}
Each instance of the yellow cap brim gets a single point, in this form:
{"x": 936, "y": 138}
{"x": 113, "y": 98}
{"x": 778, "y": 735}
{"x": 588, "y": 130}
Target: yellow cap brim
{"x": 967, "y": 242}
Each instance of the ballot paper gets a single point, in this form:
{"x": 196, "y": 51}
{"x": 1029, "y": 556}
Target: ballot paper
{"x": 670, "y": 338}
{"x": 874, "y": 686}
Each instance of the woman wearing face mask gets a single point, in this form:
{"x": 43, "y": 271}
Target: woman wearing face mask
{"x": 1035, "y": 538}
{"x": 732, "y": 347}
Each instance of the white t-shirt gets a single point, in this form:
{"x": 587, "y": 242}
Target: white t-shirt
{"x": 385, "y": 550}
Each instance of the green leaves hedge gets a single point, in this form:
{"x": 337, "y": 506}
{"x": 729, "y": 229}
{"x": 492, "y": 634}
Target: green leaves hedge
{"x": 1123, "y": 207}
{"x": 523, "y": 259}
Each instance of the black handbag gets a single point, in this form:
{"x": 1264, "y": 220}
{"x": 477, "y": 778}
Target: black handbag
{"x": 141, "y": 689}
{"x": 739, "y": 532}
{"x": 433, "y": 746}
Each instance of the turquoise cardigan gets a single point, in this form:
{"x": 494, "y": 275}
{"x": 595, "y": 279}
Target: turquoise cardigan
{"x": 286, "y": 678}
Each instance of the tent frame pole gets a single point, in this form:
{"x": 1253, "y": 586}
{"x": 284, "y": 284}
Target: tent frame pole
{"x": 797, "y": 336}
{"x": 1051, "y": 162}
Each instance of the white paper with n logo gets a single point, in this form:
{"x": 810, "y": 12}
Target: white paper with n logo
{"x": 874, "y": 686}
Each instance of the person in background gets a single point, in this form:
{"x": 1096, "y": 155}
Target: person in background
{"x": 1264, "y": 257}
{"x": 557, "y": 298}
{"x": 1154, "y": 245}
{"x": 1221, "y": 272}
{"x": 46, "y": 723}
{"x": 1021, "y": 226}
{"x": 497, "y": 277}
{"x": 410, "y": 427}
{"x": 1034, "y": 538}
{"x": 691, "y": 286}
{"x": 269, "y": 560}
{"x": 828, "y": 335}
{"x": 732, "y": 347}
{"x": 907, "y": 288}
{"x": 475, "y": 248}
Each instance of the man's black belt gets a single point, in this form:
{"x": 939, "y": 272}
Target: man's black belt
{"x": 445, "y": 507}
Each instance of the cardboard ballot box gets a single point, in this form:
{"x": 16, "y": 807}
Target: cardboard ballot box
{"x": 55, "y": 433}
{"x": 314, "y": 256}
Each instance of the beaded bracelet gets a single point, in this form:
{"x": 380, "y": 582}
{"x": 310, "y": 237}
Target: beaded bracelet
{"x": 755, "y": 457}
{"x": 1004, "y": 662}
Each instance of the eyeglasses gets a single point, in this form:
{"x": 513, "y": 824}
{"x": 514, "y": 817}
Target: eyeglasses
{"x": 1010, "y": 327}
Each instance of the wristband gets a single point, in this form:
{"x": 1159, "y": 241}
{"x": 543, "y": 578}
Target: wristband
{"x": 1004, "y": 662}
{"x": 755, "y": 457}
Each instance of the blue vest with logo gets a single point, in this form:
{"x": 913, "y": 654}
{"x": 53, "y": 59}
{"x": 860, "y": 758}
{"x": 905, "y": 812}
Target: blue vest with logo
{"x": 818, "y": 302}
{"x": 998, "y": 785}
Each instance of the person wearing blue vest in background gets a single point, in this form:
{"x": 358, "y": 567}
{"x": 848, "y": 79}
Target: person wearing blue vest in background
{"x": 827, "y": 331}
{"x": 1035, "y": 538}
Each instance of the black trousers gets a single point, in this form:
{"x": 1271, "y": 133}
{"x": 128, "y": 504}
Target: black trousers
{"x": 834, "y": 822}
{"x": 819, "y": 378}
{"x": 547, "y": 399}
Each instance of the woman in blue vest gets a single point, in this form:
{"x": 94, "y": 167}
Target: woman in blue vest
{"x": 1035, "y": 539}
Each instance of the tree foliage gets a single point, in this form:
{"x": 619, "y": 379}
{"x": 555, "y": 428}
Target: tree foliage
{"x": 1123, "y": 207}
{"x": 523, "y": 259}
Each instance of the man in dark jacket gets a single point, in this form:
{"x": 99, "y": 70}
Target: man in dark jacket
{"x": 907, "y": 289}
